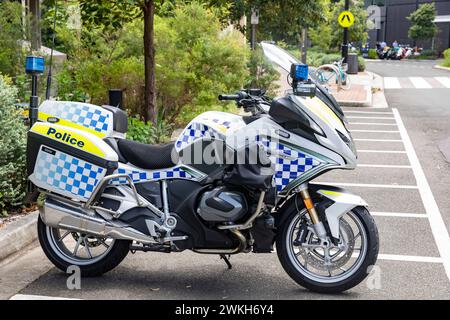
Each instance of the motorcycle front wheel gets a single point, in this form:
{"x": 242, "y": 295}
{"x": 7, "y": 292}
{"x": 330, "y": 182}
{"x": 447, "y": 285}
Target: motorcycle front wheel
{"x": 94, "y": 256}
{"x": 326, "y": 267}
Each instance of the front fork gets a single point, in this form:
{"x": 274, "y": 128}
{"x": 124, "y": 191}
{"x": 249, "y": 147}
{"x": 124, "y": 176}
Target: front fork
{"x": 317, "y": 225}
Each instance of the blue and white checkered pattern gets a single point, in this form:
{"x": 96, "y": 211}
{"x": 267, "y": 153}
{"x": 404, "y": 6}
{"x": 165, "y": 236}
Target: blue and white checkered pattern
{"x": 226, "y": 124}
{"x": 289, "y": 163}
{"x": 139, "y": 176}
{"x": 194, "y": 132}
{"x": 85, "y": 115}
{"x": 62, "y": 173}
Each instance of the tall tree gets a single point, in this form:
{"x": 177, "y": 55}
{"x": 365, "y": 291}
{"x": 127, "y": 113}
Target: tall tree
{"x": 422, "y": 22}
{"x": 113, "y": 14}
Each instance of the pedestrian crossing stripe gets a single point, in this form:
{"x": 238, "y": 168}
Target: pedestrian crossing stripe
{"x": 416, "y": 83}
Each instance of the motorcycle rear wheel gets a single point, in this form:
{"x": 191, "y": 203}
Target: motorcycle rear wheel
{"x": 65, "y": 248}
{"x": 321, "y": 280}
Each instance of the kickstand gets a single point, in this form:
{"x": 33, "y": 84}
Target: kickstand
{"x": 227, "y": 261}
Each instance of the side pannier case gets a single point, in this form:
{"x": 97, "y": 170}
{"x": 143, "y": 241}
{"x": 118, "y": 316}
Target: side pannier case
{"x": 67, "y": 154}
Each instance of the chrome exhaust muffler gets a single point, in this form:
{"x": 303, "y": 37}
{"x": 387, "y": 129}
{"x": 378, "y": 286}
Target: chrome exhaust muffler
{"x": 57, "y": 214}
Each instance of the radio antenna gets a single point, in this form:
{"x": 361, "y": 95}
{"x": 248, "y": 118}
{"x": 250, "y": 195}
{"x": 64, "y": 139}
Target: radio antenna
{"x": 49, "y": 77}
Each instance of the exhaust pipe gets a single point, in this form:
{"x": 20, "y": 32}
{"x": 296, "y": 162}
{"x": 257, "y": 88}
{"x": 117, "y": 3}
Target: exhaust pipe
{"x": 56, "y": 214}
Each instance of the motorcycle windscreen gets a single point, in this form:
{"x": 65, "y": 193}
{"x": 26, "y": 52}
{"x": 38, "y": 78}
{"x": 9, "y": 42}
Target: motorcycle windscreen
{"x": 278, "y": 56}
{"x": 284, "y": 60}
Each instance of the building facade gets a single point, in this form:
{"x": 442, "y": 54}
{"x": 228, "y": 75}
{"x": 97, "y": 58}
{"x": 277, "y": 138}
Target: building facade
{"x": 395, "y": 25}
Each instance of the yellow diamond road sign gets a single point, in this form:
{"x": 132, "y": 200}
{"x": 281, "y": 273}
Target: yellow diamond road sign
{"x": 346, "y": 19}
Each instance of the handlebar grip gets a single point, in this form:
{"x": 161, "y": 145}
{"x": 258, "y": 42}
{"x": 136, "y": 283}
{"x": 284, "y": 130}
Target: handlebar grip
{"x": 229, "y": 97}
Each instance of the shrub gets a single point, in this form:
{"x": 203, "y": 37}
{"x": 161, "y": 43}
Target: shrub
{"x": 195, "y": 62}
{"x": 447, "y": 54}
{"x": 372, "y": 54}
{"x": 13, "y": 149}
{"x": 446, "y": 62}
{"x": 148, "y": 133}
{"x": 263, "y": 74}
{"x": 361, "y": 64}
{"x": 11, "y": 34}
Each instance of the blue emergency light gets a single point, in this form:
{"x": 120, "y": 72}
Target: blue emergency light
{"x": 299, "y": 72}
{"x": 35, "y": 65}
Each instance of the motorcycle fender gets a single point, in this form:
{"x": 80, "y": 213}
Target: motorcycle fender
{"x": 343, "y": 203}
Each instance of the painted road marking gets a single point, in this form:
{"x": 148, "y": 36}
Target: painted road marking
{"x": 420, "y": 83}
{"x": 444, "y": 81}
{"x": 372, "y": 118}
{"x": 437, "y": 224}
{"x": 399, "y": 215}
{"x": 36, "y": 297}
{"x": 405, "y": 258}
{"x": 381, "y": 151}
{"x": 368, "y": 112}
{"x": 369, "y": 185}
{"x": 373, "y": 124}
{"x": 375, "y": 131}
{"x": 396, "y": 257}
{"x": 377, "y": 140}
{"x": 391, "y": 83}
{"x": 416, "y": 83}
{"x": 386, "y": 166}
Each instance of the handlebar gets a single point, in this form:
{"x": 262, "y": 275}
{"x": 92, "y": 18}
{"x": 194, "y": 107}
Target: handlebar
{"x": 229, "y": 97}
{"x": 251, "y": 100}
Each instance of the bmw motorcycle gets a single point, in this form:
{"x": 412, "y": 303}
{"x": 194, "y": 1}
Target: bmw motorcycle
{"x": 228, "y": 185}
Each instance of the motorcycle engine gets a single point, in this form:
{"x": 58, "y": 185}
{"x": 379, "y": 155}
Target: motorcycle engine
{"x": 222, "y": 205}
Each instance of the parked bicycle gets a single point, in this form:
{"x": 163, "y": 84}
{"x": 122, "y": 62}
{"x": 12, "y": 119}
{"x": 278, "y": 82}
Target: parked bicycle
{"x": 335, "y": 73}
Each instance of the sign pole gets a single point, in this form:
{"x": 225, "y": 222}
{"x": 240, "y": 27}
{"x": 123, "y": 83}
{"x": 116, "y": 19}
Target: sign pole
{"x": 254, "y": 21}
{"x": 345, "y": 43}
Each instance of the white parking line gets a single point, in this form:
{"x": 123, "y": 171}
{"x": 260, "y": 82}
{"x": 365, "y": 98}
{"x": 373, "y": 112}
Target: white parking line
{"x": 373, "y": 118}
{"x": 375, "y": 131}
{"x": 396, "y": 257}
{"x": 377, "y": 140}
{"x": 399, "y": 215}
{"x": 437, "y": 224}
{"x": 386, "y": 166}
{"x": 420, "y": 83}
{"x": 36, "y": 297}
{"x": 445, "y": 81}
{"x": 380, "y": 151}
{"x": 372, "y": 124}
{"x": 367, "y": 112}
{"x": 368, "y": 185}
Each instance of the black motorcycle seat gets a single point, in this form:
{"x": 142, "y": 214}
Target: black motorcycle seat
{"x": 150, "y": 157}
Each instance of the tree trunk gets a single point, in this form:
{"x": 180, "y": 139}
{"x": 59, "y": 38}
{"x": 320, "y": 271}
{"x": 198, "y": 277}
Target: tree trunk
{"x": 149, "y": 112}
{"x": 34, "y": 8}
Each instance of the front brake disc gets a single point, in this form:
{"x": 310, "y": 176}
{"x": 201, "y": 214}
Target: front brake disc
{"x": 316, "y": 258}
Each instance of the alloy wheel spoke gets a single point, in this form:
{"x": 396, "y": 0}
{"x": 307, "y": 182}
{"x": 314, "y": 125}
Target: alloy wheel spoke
{"x": 80, "y": 239}
{"x": 88, "y": 250}
{"x": 63, "y": 236}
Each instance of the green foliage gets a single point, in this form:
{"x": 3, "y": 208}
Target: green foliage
{"x": 11, "y": 33}
{"x": 357, "y": 32}
{"x": 422, "y": 22}
{"x": 195, "y": 61}
{"x": 284, "y": 20}
{"x": 361, "y": 64}
{"x": 13, "y": 149}
{"x": 372, "y": 54}
{"x": 263, "y": 74}
{"x": 446, "y": 54}
{"x": 147, "y": 132}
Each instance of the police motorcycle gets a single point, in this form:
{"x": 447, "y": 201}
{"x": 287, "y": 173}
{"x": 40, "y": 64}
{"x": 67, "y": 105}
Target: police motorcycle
{"x": 228, "y": 185}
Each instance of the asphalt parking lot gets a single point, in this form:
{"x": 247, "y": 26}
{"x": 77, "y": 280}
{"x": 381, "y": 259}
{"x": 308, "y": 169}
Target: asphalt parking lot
{"x": 401, "y": 174}
{"x": 410, "y": 266}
